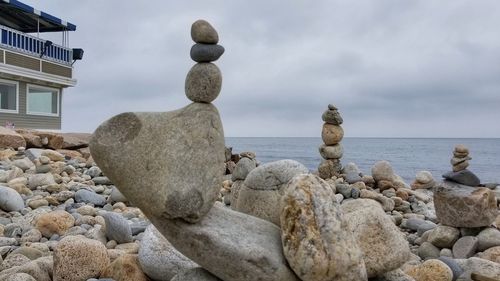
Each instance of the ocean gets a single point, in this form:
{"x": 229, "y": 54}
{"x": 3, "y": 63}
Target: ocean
{"x": 407, "y": 155}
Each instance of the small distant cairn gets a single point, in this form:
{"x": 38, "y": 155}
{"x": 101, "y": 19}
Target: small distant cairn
{"x": 331, "y": 150}
{"x": 460, "y": 174}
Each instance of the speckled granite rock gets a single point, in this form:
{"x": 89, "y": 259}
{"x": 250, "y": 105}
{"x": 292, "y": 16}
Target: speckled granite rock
{"x": 177, "y": 156}
{"x": 464, "y": 206}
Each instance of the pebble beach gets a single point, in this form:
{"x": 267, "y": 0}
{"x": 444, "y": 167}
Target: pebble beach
{"x": 134, "y": 201}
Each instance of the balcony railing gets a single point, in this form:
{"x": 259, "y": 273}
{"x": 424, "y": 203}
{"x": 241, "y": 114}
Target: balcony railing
{"x": 31, "y": 45}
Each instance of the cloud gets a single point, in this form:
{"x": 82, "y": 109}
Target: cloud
{"x": 394, "y": 68}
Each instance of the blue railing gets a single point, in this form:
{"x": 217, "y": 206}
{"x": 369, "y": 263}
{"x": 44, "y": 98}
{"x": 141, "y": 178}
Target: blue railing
{"x": 31, "y": 45}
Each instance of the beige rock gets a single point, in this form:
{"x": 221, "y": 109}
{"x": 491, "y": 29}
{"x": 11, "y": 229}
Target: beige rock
{"x": 492, "y": 254}
{"x": 125, "y": 268}
{"x": 329, "y": 168}
{"x": 56, "y": 222}
{"x": 460, "y": 166}
{"x": 460, "y": 148}
{"x": 77, "y": 258}
{"x": 40, "y": 269}
{"x": 382, "y": 170}
{"x": 203, "y": 82}
{"x": 387, "y": 203}
{"x": 316, "y": 240}
{"x": 431, "y": 270}
{"x": 9, "y": 138}
{"x": 331, "y": 151}
{"x": 178, "y": 156}
{"x": 385, "y": 247}
{"x": 464, "y": 206}
{"x": 53, "y": 155}
{"x": 203, "y": 32}
{"x": 332, "y": 134}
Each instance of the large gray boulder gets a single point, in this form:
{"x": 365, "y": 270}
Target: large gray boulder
{"x": 384, "y": 246}
{"x": 317, "y": 241}
{"x": 168, "y": 164}
{"x": 243, "y": 168}
{"x": 262, "y": 189}
{"x": 159, "y": 259}
{"x": 231, "y": 245}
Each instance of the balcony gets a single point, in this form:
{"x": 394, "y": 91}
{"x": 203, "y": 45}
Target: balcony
{"x": 32, "y": 46}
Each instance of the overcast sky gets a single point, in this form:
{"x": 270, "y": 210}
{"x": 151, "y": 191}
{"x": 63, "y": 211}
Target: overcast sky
{"x": 393, "y": 68}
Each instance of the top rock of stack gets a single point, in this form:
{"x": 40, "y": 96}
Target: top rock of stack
{"x": 332, "y": 116}
{"x": 461, "y": 149}
{"x": 203, "y": 32}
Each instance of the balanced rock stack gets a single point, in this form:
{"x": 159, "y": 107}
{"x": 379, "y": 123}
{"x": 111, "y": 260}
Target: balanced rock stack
{"x": 460, "y": 174}
{"x": 204, "y": 80}
{"x": 332, "y": 149}
{"x": 423, "y": 180}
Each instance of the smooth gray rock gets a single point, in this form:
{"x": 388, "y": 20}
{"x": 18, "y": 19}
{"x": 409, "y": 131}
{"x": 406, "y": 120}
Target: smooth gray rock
{"x": 23, "y": 164}
{"x": 465, "y": 177}
{"x": 159, "y": 259}
{"x": 195, "y": 274}
{"x": 10, "y": 200}
{"x": 426, "y": 226}
{"x": 243, "y": 168}
{"x": 384, "y": 246}
{"x": 89, "y": 197}
{"x": 316, "y": 238}
{"x": 206, "y": 52}
{"x": 489, "y": 237}
{"x": 102, "y": 181}
{"x": 203, "y": 32}
{"x": 465, "y": 247}
{"x": 117, "y": 228}
{"x": 116, "y": 196}
{"x": 428, "y": 251}
{"x": 453, "y": 265}
{"x": 477, "y": 265}
{"x": 37, "y": 180}
{"x": 444, "y": 236}
{"x": 261, "y": 191}
{"x": 169, "y": 164}
{"x": 231, "y": 245}
{"x": 203, "y": 82}
{"x": 331, "y": 151}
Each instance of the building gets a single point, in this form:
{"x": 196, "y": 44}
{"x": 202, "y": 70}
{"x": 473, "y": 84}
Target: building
{"x": 33, "y": 71}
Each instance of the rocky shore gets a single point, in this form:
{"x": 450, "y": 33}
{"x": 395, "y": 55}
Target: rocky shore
{"x": 138, "y": 202}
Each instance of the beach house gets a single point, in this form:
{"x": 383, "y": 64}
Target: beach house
{"x": 33, "y": 71}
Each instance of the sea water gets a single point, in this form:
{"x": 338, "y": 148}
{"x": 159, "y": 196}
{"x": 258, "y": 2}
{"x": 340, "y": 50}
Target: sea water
{"x": 407, "y": 155}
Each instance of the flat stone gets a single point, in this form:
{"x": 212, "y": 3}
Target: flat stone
{"x": 464, "y": 206}
{"x": 329, "y": 168}
{"x": 262, "y": 189}
{"x": 159, "y": 259}
{"x": 203, "y": 82}
{"x": 177, "y": 156}
{"x": 231, "y": 245}
{"x": 117, "y": 228}
{"x": 195, "y": 274}
{"x": 444, "y": 236}
{"x": 465, "y": 247}
{"x": 383, "y": 252}
{"x": 89, "y": 197}
{"x": 487, "y": 238}
{"x": 332, "y": 134}
{"x": 424, "y": 177}
{"x": 460, "y": 166}
{"x": 206, "y": 52}
{"x": 10, "y": 200}
{"x": 203, "y": 32}
{"x": 464, "y": 177}
{"x": 457, "y": 160}
{"x": 316, "y": 240}
{"x": 331, "y": 151}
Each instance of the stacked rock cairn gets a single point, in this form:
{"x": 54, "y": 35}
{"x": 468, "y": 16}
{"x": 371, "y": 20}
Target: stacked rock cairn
{"x": 204, "y": 80}
{"x": 331, "y": 150}
{"x": 460, "y": 174}
{"x": 460, "y": 160}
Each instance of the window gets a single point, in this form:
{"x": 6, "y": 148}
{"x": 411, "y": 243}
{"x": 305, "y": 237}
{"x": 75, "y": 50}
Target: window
{"x": 42, "y": 101}
{"x": 9, "y": 96}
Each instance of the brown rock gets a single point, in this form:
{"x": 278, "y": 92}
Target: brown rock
{"x": 203, "y": 32}
{"x": 492, "y": 254}
{"x": 75, "y": 140}
{"x": 85, "y": 152}
{"x": 464, "y": 206}
{"x": 56, "y": 222}
{"x": 460, "y": 166}
{"x": 401, "y": 193}
{"x": 332, "y": 134}
{"x": 385, "y": 184}
{"x": 461, "y": 149}
{"x": 9, "y": 138}
{"x": 32, "y": 140}
{"x": 77, "y": 258}
{"x": 125, "y": 268}
{"x": 431, "y": 270}
{"x": 317, "y": 241}
{"x": 53, "y": 140}
{"x": 53, "y": 155}
{"x": 70, "y": 153}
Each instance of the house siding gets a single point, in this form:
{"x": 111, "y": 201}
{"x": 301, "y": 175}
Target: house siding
{"x": 23, "y": 120}
{"x": 22, "y": 61}
{"x": 52, "y": 68}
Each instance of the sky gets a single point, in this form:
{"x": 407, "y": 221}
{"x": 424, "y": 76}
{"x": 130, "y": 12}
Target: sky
{"x": 393, "y": 68}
